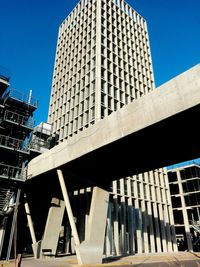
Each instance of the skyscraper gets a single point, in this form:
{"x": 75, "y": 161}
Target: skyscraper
{"x": 103, "y": 62}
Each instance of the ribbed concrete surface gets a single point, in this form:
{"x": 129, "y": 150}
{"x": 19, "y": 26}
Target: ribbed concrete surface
{"x": 181, "y": 259}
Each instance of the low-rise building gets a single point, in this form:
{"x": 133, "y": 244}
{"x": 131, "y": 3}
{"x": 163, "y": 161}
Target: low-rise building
{"x": 184, "y": 181}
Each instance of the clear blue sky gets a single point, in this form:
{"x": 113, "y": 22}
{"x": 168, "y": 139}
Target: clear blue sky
{"x": 28, "y": 36}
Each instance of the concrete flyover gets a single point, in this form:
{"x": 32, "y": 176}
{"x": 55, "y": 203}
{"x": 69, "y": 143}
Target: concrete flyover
{"x": 156, "y": 130}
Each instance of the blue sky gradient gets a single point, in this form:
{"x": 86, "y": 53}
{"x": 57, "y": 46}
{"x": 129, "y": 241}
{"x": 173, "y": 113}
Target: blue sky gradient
{"x": 29, "y": 29}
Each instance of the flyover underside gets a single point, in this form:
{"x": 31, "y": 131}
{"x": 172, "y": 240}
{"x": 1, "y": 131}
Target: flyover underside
{"x": 156, "y": 146}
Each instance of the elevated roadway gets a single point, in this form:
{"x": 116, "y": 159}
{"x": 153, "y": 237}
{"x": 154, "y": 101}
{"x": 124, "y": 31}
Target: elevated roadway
{"x": 157, "y": 130}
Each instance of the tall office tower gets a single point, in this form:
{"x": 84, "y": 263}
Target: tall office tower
{"x": 103, "y": 62}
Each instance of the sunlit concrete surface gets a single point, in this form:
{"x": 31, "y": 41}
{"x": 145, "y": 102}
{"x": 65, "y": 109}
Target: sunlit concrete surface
{"x": 185, "y": 259}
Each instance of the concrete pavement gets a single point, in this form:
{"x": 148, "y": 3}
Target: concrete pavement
{"x": 180, "y": 259}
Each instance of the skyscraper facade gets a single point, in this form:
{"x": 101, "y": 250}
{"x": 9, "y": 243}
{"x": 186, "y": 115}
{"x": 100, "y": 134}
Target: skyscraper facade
{"x": 102, "y": 63}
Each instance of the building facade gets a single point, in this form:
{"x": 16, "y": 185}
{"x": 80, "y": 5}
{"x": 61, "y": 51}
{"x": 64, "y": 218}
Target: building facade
{"x": 102, "y": 63}
{"x": 184, "y": 182}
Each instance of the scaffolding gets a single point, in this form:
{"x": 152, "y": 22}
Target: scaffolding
{"x": 16, "y": 126}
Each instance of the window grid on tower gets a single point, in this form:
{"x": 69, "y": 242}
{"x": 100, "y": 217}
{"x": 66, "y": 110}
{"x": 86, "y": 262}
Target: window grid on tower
{"x": 125, "y": 57}
{"x": 74, "y": 72}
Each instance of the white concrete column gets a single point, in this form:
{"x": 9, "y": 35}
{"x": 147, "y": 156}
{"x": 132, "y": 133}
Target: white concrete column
{"x": 151, "y": 230}
{"x": 91, "y": 250}
{"x": 88, "y": 201}
{"x": 31, "y": 228}
{"x": 109, "y": 237}
{"x": 131, "y": 220}
{"x": 116, "y": 226}
{"x": 144, "y": 217}
{"x": 123, "y": 217}
{"x": 30, "y": 223}
{"x": 138, "y": 219}
{"x": 53, "y": 226}
{"x": 70, "y": 215}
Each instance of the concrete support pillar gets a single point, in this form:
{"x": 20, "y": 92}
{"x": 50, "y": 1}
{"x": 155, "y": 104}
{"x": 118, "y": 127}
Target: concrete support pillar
{"x": 151, "y": 230}
{"x": 168, "y": 233}
{"x": 157, "y": 231}
{"x": 109, "y": 237}
{"x": 116, "y": 226}
{"x": 123, "y": 217}
{"x": 162, "y": 227}
{"x": 131, "y": 219}
{"x": 91, "y": 250}
{"x": 171, "y": 216}
{"x": 131, "y": 223}
{"x": 31, "y": 228}
{"x": 123, "y": 226}
{"x": 144, "y": 216}
{"x": 82, "y": 211}
{"x": 138, "y": 219}
{"x": 155, "y": 213}
{"x": 70, "y": 215}
{"x": 166, "y": 209}
{"x": 53, "y": 227}
{"x": 160, "y": 210}
{"x": 88, "y": 201}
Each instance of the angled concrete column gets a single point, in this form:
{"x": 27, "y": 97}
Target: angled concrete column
{"x": 53, "y": 226}
{"x": 91, "y": 250}
{"x": 70, "y": 215}
{"x": 31, "y": 228}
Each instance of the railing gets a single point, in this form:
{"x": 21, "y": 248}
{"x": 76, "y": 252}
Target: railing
{"x": 42, "y": 130}
{"x": 11, "y": 172}
{"x": 19, "y": 119}
{"x": 38, "y": 144}
{"x": 195, "y": 225}
{"x": 14, "y": 143}
{"x": 28, "y": 99}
